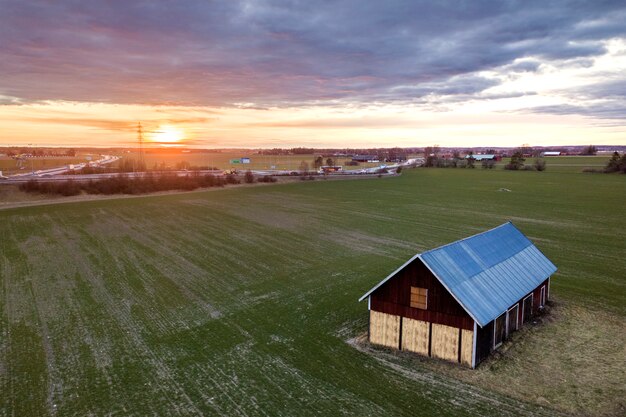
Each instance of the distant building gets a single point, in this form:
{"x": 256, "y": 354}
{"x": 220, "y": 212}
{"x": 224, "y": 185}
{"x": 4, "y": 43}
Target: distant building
{"x": 328, "y": 169}
{"x": 396, "y": 158}
{"x": 460, "y": 301}
{"x": 550, "y": 153}
{"x": 488, "y": 157}
{"x": 365, "y": 158}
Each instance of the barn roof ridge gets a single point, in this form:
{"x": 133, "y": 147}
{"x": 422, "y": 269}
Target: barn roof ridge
{"x": 486, "y": 272}
{"x": 469, "y": 237}
{"x": 417, "y": 255}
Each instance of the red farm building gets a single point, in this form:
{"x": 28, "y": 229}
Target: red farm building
{"x": 459, "y": 302}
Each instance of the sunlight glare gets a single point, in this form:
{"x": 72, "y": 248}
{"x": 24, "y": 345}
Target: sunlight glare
{"x": 168, "y": 134}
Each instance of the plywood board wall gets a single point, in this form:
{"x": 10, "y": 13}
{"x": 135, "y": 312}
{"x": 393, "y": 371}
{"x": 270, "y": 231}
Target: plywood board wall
{"x": 384, "y": 329}
{"x": 415, "y": 335}
{"x": 467, "y": 344}
{"x": 445, "y": 342}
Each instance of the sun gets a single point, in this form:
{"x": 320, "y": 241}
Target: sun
{"x": 168, "y": 134}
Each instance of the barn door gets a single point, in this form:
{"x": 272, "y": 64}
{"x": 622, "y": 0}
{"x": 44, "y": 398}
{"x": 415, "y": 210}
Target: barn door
{"x": 512, "y": 319}
{"x": 542, "y": 298}
{"x": 499, "y": 330}
{"x": 527, "y": 308}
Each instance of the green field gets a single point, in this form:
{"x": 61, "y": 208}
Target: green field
{"x": 243, "y": 301}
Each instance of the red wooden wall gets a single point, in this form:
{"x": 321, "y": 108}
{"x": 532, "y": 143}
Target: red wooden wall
{"x": 393, "y": 297}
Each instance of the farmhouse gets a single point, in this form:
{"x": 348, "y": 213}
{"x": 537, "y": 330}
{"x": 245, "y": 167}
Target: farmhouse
{"x": 460, "y": 301}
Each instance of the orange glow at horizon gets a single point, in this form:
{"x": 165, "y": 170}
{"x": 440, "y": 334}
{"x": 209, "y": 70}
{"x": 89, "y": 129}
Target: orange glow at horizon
{"x": 497, "y": 123}
{"x": 167, "y": 134}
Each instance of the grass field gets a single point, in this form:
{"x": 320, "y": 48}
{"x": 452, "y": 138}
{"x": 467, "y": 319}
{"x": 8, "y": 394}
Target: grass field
{"x": 244, "y": 301}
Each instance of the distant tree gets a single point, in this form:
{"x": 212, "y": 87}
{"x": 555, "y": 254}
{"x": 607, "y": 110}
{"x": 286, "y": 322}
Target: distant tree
{"x": 232, "y": 179}
{"x": 318, "y": 162}
{"x": 249, "y": 177}
{"x": 490, "y": 151}
{"x": 526, "y": 149}
{"x": 71, "y": 152}
{"x": 540, "y": 164}
{"x": 429, "y": 157}
{"x": 590, "y": 150}
{"x": 471, "y": 160}
{"x": 517, "y": 161}
{"x": 304, "y": 167}
{"x": 182, "y": 165}
{"x": 488, "y": 163}
{"x": 431, "y": 161}
{"x": 330, "y": 162}
{"x": 267, "y": 178}
{"x": 615, "y": 163}
{"x": 127, "y": 165}
{"x": 141, "y": 166}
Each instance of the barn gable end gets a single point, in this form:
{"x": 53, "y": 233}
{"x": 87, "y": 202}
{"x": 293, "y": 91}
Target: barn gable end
{"x": 394, "y": 297}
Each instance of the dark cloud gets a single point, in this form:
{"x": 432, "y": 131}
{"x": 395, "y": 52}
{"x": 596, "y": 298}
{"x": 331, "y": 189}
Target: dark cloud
{"x": 602, "y": 100}
{"x": 255, "y": 54}
{"x": 523, "y": 66}
{"x": 470, "y": 84}
{"x": 604, "y": 110}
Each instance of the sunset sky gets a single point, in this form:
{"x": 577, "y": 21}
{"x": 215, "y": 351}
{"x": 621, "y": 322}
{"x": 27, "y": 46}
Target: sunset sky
{"x": 313, "y": 73}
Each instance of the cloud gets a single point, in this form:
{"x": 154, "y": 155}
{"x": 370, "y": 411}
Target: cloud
{"x": 277, "y": 54}
{"x": 115, "y": 125}
{"x": 598, "y": 110}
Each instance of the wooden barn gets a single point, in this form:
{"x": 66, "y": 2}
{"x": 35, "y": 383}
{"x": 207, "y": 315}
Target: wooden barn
{"x": 460, "y": 301}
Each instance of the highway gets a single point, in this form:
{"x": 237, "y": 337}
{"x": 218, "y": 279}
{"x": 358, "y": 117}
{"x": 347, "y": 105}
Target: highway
{"x": 58, "y": 171}
{"x": 59, "y": 174}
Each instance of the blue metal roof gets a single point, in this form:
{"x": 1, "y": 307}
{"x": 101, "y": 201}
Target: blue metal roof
{"x": 488, "y": 272}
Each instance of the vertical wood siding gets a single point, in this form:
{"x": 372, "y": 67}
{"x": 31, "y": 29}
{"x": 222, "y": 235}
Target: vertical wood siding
{"x": 394, "y": 297}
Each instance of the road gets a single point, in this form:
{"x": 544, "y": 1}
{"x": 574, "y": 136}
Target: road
{"x": 58, "y": 174}
{"x": 46, "y": 173}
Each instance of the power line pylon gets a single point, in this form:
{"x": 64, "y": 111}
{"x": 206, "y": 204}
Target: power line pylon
{"x": 140, "y": 140}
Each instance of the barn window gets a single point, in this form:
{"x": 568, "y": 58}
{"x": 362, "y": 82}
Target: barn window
{"x": 419, "y": 298}
{"x": 499, "y": 330}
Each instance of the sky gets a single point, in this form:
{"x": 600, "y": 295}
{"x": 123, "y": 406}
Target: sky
{"x": 359, "y": 73}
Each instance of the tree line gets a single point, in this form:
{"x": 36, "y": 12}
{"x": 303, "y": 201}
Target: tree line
{"x": 123, "y": 184}
{"x": 617, "y": 163}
